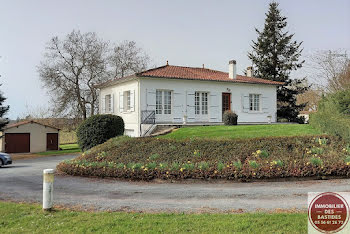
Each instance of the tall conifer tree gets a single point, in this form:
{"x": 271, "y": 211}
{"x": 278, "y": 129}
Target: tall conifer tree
{"x": 275, "y": 54}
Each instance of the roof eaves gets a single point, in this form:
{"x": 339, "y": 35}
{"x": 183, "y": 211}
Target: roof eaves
{"x": 217, "y": 80}
{"x": 116, "y": 81}
{"x": 27, "y": 122}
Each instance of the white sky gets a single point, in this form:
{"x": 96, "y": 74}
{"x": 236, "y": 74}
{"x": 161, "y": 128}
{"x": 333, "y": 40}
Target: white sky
{"x": 187, "y": 33}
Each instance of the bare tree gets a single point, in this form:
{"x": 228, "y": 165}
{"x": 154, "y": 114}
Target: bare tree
{"x": 70, "y": 70}
{"x": 331, "y": 70}
{"x": 311, "y": 98}
{"x": 73, "y": 66}
{"x": 35, "y": 112}
{"x": 126, "y": 58}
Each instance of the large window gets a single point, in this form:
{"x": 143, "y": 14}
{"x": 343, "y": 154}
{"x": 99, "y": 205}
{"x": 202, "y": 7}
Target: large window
{"x": 254, "y": 102}
{"x": 163, "y": 102}
{"x": 201, "y": 103}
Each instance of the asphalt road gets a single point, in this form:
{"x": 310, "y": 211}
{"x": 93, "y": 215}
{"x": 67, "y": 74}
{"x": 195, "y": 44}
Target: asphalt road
{"x": 23, "y": 182}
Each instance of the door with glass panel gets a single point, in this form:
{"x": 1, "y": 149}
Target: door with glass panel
{"x": 164, "y": 106}
{"x": 201, "y": 100}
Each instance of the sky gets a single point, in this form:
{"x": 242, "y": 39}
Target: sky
{"x": 184, "y": 32}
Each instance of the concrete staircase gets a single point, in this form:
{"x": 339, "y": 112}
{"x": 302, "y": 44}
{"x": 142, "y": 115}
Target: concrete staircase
{"x": 162, "y": 129}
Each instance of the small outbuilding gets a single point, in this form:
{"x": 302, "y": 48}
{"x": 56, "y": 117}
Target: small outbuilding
{"x": 29, "y": 137}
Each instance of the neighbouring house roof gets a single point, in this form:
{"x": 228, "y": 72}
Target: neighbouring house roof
{"x": 193, "y": 73}
{"x": 27, "y": 122}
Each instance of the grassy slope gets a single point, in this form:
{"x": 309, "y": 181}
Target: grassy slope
{"x": 19, "y": 218}
{"x": 242, "y": 131}
{"x": 66, "y": 149}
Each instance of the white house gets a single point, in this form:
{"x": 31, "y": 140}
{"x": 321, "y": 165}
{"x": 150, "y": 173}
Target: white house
{"x": 176, "y": 95}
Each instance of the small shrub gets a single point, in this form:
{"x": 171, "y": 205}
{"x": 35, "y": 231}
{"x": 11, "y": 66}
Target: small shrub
{"x": 264, "y": 154}
{"x": 98, "y": 129}
{"x": 321, "y": 141}
{"x": 220, "y": 166}
{"x": 261, "y": 154}
{"x": 120, "y": 165}
{"x": 317, "y": 150}
{"x": 203, "y": 165}
{"x": 253, "y": 164}
{"x": 278, "y": 163}
{"x": 347, "y": 159}
{"x": 316, "y": 161}
{"x": 163, "y": 165}
{"x": 237, "y": 165}
{"x": 154, "y": 157}
{"x": 196, "y": 153}
{"x": 347, "y": 149}
{"x": 188, "y": 166}
{"x": 151, "y": 165}
{"x": 175, "y": 166}
{"x": 230, "y": 118}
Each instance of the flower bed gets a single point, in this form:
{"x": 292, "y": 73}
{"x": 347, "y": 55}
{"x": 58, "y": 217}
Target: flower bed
{"x": 261, "y": 158}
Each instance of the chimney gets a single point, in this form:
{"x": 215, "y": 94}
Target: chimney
{"x": 232, "y": 74}
{"x": 250, "y": 71}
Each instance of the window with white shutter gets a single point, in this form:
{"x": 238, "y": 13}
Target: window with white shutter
{"x": 254, "y": 102}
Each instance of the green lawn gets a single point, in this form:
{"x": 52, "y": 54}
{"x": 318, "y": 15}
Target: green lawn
{"x": 25, "y": 218}
{"x": 66, "y": 149}
{"x": 242, "y": 131}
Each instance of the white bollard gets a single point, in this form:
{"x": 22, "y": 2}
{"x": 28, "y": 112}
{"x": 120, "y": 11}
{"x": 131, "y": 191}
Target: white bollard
{"x": 48, "y": 175}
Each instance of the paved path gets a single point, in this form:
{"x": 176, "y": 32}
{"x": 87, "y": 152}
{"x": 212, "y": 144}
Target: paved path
{"x": 23, "y": 182}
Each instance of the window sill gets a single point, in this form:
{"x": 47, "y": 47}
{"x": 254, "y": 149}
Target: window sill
{"x": 255, "y": 112}
{"x": 127, "y": 112}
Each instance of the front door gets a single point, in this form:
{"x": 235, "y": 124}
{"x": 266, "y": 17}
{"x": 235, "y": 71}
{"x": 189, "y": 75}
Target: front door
{"x": 226, "y": 102}
{"x": 52, "y": 141}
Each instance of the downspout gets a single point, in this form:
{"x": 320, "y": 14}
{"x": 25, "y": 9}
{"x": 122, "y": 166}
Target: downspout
{"x": 139, "y": 106}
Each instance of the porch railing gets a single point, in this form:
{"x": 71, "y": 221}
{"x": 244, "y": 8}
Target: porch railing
{"x": 148, "y": 117}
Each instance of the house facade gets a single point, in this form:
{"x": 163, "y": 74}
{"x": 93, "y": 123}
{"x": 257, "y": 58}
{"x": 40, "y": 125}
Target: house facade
{"x": 177, "y": 95}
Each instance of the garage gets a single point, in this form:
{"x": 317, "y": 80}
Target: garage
{"x": 29, "y": 137}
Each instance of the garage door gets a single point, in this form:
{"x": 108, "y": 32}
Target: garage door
{"x": 17, "y": 142}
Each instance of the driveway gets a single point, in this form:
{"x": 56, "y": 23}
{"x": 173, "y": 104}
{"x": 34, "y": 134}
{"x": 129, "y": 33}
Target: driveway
{"x": 23, "y": 182}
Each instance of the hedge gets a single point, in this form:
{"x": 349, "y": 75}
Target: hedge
{"x": 264, "y": 158}
{"x": 98, "y": 129}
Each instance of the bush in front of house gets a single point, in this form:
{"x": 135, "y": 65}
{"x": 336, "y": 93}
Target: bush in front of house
{"x": 236, "y": 159}
{"x": 98, "y": 129}
{"x": 230, "y": 118}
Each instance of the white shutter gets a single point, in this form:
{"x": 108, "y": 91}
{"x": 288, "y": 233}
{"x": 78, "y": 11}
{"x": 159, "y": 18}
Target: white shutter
{"x": 264, "y": 104}
{"x": 190, "y": 106}
{"x": 214, "y": 107}
{"x": 177, "y": 110}
{"x": 132, "y": 100}
{"x": 103, "y": 106}
{"x": 245, "y": 103}
{"x": 112, "y": 103}
{"x": 121, "y": 102}
{"x": 151, "y": 99}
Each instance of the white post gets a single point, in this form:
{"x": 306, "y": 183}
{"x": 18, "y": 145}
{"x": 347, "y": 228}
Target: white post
{"x": 48, "y": 175}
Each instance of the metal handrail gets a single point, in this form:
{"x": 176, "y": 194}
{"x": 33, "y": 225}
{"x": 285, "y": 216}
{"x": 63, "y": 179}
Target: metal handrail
{"x": 148, "y": 117}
